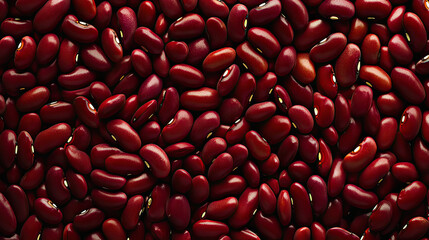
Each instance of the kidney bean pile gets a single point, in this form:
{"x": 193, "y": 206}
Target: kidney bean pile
{"x": 210, "y": 119}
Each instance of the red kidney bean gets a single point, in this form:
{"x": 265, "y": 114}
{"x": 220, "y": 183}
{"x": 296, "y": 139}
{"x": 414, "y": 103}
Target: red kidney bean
{"x": 228, "y": 80}
{"x": 14, "y": 81}
{"x": 181, "y": 181}
{"x": 265, "y": 13}
{"x": 296, "y": 13}
{"x": 412, "y": 195}
{"x": 31, "y": 228}
{"x": 127, "y": 23}
{"x": 178, "y": 128}
{"x": 376, "y": 77}
{"x": 9, "y": 46}
{"x": 52, "y": 137}
{"x": 415, "y": 31}
{"x": 347, "y": 66}
{"x": 395, "y": 20}
{"x": 326, "y": 81}
{"x": 78, "y": 78}
{"x": 337, "y": 233}
{"x": 178, "y": 211}
{"x": 416, "y": 227}
{"x": 251, "y": 59}
{"x": 361, "y": 156}
{"x": 8, "y": 147}
{"x": 111, "y": 45}
{"x": 124, "y": 164}
{"x": 143, "y": 113}
{"x": 361, "y": 101}
{"x": 176, "y": 51}
{"x": 79, "y": 160}
{"x": 200, "y": 189}
{"x": 374, "y": 173}
{"x": 258, "y": 147}
{"x": 305, "y": 93}
{"x": 315, "y": 32}
{"x": 189, "y": 26}
{"x": 231, "y": 185}
{"x": 230, "y": 110}
{"x": 122, "y": 133}
{"x": 358, "y": 197}
{"x": 366, "y": 9}
{"x": 405, "y": 172}
{"x": 88, "y": 219}
{"x": 284, "y": 207}
{"x": 95, "y": 59}
{"x": 25, "y": 53}
{"x": 47, "y": 49}
{"x": 56, "y": 186}
{"x": 201, "y": 99}
{"x": 251, "y": 173}
{"x": 47, "y": 211}
{"x": 19, "y": 203}
{"x": 214, "y": 8}
{"x": 399, "y": 50}
{"x": 239, "y": 154}
{"x": 112, "y": 229}
{"x": 370, "y": 49}
{"x": 104, "y": 179}
{"x": 108, "y": 200}
{"x": 411, "y": 121}
{"x": 390, "y": 105}
{"x": 247, "y": 205}
{"x": 337, "y": 178}
{"x": 16, "y": 27}
{"x": 408, "y": 85}
{"x": 48, "y": 17}
{"x": 179, "y": 150}
{"x": 8, "y": 220}
{"x": 336, "y": 11}
{"x": 329, "y": 48}
{"x": 212, "y": 149}
{"x": 267, "y": 199}
{"x": 78, "y": 31}
{"x": 156, "y": 159}
{"x": 282, "y": 29}
{"x": 209, "y": 229}
{"x": 308, "y": 148}
{"x": 275, "y": 129}
{"x": 187, "y": 76}
{"x": 301, "y": 118}
{"x": 319, "y": 194}
{"x": 285, "y": 61}
{"x": 244, "y": 234}
{"x": 324, "y": 110}
{"x": 401, "y": 148}
{"x": 264, "y": 41}
{"x": 301, "y": 205}
{"x": 260, "y": 112}
{"x": 304, "y": 71}
{"x": 204, "y": 126}
{"x": 268, "y": 226}
{"x": 148, "y": 40}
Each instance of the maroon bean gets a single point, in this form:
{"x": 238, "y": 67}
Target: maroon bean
{"x": 258, "y": 147}
{"x": 366, "y": 9}
{"x": 415, "y": 31}
{"x": 204, "y": 126}
{"x": 108, "y": 200}
{"x": 399, "y": 50}
{"x": 268, "y": 226}
{"x": 88, "y": 219}
{"x": 132, "y": 212}
{"x": 337, "y": 178}
{"x": 47, "y": 49}
{"x": 156, "y": 159}
{"x": 329, "y": 48}
{"x": 304, "y": 93}
{"x": 56, "y": 186}
{"x": 104, "y": 179}
{"x": 275, "y": 129}
{"x": 361, "y": 101}
{"x": 251, "y": 173}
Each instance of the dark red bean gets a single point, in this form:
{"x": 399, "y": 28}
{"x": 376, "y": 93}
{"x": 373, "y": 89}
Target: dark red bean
{"x": 358, "y": 197}
{"x": 49, "y": 16}
{"x": 412, "y": 195}
{"x": 8, "y": 220}
{"x": 348, "y": 65}
{"x": 408, "y": 85}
